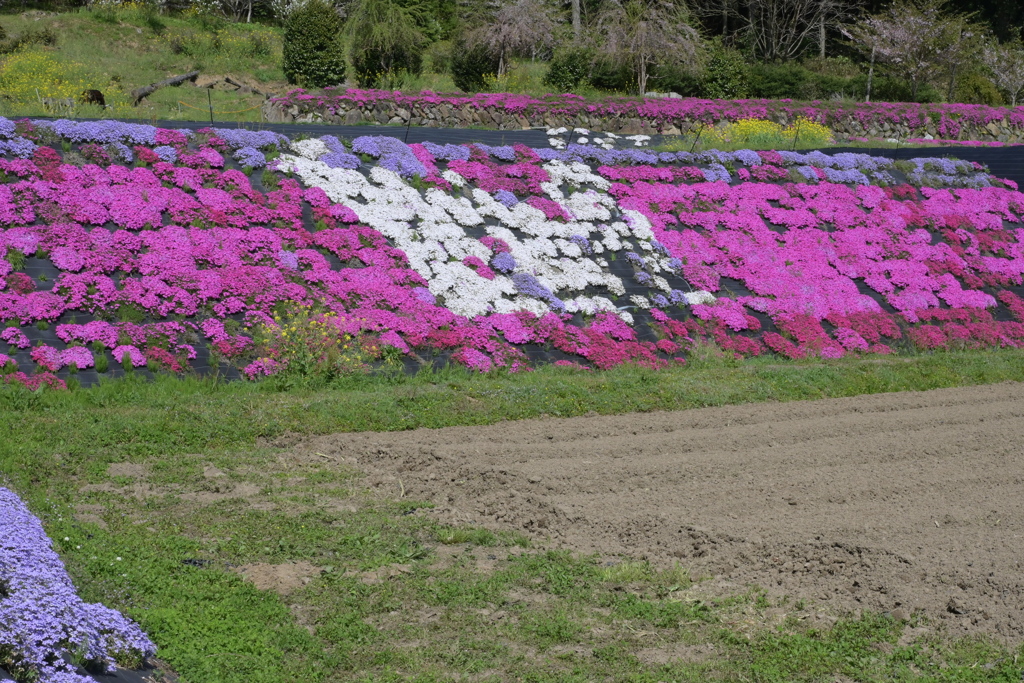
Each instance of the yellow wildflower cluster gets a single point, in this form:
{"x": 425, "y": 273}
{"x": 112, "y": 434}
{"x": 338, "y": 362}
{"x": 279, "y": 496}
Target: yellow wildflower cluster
{"x": 513, "y": 80}
{"x": 36, "y": 77}
{"x": 310, "y": 341}
{"x": 768, "y": 134}
{"x": 809, "y": 132}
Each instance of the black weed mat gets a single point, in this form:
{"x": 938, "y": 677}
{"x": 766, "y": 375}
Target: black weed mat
{"x": 150, "y": 673}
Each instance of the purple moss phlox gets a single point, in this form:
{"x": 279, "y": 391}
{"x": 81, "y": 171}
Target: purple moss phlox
{"x": 42, "y": 619}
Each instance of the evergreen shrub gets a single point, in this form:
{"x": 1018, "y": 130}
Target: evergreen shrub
{"x": 313, "y": 55}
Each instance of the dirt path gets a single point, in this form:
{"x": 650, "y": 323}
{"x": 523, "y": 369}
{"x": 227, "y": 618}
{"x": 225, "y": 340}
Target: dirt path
{"x": 910, "y": 502}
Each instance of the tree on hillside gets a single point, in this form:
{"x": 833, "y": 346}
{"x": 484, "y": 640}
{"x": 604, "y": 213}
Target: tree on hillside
{"x": 282, "y": 9}
{"x": 782, "y": 29}
{"x": 775, "y": 30}
{"x": 912, "y": 38}
{"x": 383, "y": 40}
{"x": 1006, "y": 64}
{"x": 313, "y": 57}
{"x": 645, "y": 34}
{"x": 723, "y": 15}
{"x": 519, "y": 28}
{"x": 957, "y": 48}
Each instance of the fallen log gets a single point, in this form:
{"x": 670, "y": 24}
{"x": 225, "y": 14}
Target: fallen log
{"x": 140, "y": 94}
{"x": 241, "y": 86}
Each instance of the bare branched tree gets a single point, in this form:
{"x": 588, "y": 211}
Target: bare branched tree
{"x": 725, "y": 12}
{"x": 1006, "y": 64}
{"x": 280, "y": 9}
{"x": 648, "y": 33}
{"x": 917, "y": 39}
{"x": 781, "y": 29}
{"x": 517, "y": 29}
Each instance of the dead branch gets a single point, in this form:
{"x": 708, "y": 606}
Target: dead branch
{"x": 140, "y": 94}
{"x": 247, "y": 88}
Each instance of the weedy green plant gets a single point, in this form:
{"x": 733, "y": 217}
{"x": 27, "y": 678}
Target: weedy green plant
{"x": 472, "y": 65}
{"x": 256, "y": 43}
{"x": 569, "y": 68}
{"x": 308, "y": 344}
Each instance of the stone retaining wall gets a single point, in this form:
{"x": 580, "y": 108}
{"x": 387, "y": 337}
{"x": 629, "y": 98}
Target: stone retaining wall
{"x": 639, "y": 116}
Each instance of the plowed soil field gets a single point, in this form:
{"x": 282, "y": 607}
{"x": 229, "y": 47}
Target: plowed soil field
{"x": 903, "y": 503}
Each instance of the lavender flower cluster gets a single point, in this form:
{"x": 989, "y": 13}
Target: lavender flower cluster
{"x": 807, "y": 172}
{"x": 338, "y": 156}
{"x": 18, "y": 147}
{"x": 843, "y": 167}
{"x": 502, "y": 153}
{"x": 582, "y": 242}
{"x": 250, "y": 156}
{"x": 936, "y": 172}
{"x": 121, "y": 152}
{"x": 854, "y": 176}
{"x": 715, "y": 172}
{"x": 248, "y": 148}
{"x": 237, "y": 138}
{"x": 748, "y": 157}
{"x": 711, "y": 156}
{"x": 608, "y": 157}
{"x": 448, "y": 152}
{"x": 42, "y": 619}
{"x": 635, "y": 259}
{"x": 842, "y": 161}
{"x": 166, "y": 153}
{"x": 503, "y": 262}
{"x": 505, "y": 197}
{"x": 392, "y": 153}
{"x": 528, "y": 285}
{"x": 102, "y": 132}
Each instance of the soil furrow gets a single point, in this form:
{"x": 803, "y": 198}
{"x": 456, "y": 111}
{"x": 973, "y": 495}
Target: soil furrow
{"x": 907, "y": 502}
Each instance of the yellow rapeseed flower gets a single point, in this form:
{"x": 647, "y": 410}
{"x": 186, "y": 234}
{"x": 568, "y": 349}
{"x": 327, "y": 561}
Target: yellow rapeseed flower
{"x": 32, "y": 76}
{"x": 766, "y": 134}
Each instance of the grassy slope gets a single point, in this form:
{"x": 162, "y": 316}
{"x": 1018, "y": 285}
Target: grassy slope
{"x": 160, "y": 542}
{"x": 127, "y": 51}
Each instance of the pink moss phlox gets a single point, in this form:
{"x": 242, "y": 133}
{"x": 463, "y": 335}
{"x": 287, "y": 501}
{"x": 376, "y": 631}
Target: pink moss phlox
{"x": 950, "y": 118}
{"x": 129, "y": 353}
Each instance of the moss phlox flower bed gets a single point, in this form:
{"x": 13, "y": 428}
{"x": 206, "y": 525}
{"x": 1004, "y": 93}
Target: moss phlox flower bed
{"x": 47, "y": 633}
{"x": 128, "y": 246}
